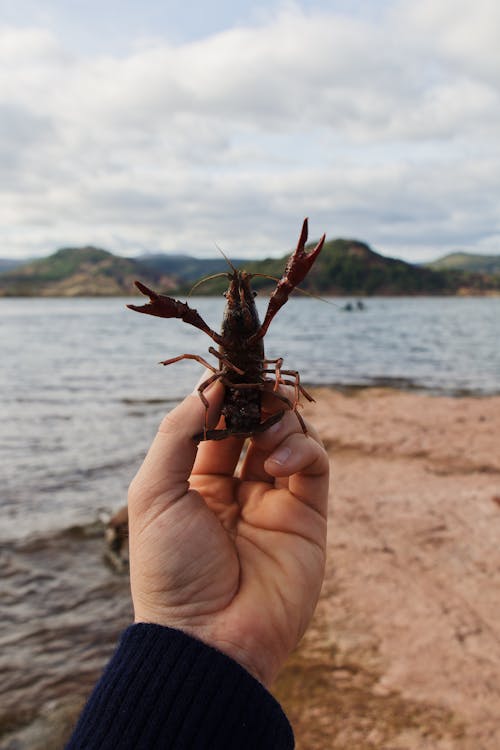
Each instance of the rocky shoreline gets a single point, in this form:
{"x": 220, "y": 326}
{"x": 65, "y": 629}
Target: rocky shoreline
{"x": 404, "y": 650}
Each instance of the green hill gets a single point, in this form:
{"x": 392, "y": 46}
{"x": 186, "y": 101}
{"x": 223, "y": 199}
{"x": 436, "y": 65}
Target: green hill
{"x": 78, "y": 272}
{"x": 185, "y": 267}
{"x": 344, "y": 267}
{"x": 467, "y": 262}
{"x": 351, "y": 267}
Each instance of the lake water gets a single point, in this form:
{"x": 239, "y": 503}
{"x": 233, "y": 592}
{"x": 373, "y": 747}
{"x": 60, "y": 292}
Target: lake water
{"x": 82, "y": 393}
{"x": 82, "y": 397}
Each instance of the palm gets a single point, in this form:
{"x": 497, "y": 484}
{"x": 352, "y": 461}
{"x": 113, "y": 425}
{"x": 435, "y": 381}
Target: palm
{"x": 237, "y": 562}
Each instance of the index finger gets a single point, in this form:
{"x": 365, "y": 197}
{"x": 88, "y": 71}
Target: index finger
{"x": 218, "y": 457}
{"x": 169, "y": 461}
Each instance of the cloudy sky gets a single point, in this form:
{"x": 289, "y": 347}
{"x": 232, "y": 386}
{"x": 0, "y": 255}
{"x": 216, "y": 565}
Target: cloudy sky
{"x": 174, "y": 126}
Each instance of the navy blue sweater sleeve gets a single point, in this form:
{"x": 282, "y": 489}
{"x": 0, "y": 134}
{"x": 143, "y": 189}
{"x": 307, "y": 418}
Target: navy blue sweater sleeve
{"x": 163, "y": 690}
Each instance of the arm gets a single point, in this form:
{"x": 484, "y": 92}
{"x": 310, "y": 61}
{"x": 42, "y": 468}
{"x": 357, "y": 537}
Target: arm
{"x": 225, "y": 575}
{"x": 164, "y": 689}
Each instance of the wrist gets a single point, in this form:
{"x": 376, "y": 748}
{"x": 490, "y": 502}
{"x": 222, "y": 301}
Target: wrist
{"x": 260, "y": 661}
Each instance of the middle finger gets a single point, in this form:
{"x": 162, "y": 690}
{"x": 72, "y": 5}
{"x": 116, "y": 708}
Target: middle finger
{"x": 263, "y": 444}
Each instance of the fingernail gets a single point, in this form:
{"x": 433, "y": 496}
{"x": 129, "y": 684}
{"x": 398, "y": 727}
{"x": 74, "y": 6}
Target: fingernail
{"x": 280, "y": 456}
{"x": 275, "y": 427}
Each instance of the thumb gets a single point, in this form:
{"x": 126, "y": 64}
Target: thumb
{"x": 168, "y": 464}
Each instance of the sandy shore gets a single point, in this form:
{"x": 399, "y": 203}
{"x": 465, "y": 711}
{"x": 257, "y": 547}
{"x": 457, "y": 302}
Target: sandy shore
{"x": 404, "y": 651}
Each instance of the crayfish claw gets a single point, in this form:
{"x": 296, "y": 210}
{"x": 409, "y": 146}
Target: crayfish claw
{"x": 303, "y": 234}
{"x": 297, "y": 268}
{"x": 301, "y": 262}
{"x": 168, "y": 307}
{"x": 146, "y": 290}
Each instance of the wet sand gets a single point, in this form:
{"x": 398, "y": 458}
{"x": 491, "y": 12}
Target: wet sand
{"x": 404, "y": 650}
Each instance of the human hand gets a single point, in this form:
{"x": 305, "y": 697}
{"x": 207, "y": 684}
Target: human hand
{"x": 237, "y": 561}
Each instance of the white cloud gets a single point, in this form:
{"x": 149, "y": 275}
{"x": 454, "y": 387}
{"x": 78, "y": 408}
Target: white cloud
{"x": 384, "y": 129}
{"x": 463, "y": 34}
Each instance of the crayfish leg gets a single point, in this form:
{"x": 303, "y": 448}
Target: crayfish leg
{"x": 296, "y": 384}
{"x": 273, "y": 419}
{"x": 293, "y": 407}
{"x": 224, "y": 360}
{"x": 212, "y": 435}
{"x": 189, "y": 356}
{"x": 217, "y": 375}
{"x": 277, "y": 370}
{"x": 301, "y": 388}
{"x": 279, "y": 380}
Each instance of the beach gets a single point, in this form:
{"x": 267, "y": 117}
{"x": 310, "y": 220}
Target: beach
{"x": 404, "y": 649}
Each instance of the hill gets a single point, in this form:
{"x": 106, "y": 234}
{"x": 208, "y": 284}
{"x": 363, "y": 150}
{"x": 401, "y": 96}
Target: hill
{"x": 351, "y": 267}
{"x": 78, "y": 272}
{"x": 185, "y": 267}
{"x": 7, "y": 264}
{"x": 467, "y": 262}
{"x": 344, "y": 267}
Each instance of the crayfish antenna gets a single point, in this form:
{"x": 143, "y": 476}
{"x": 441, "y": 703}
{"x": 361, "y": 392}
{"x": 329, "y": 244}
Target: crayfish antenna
{"x": 296, "y": 270}
{"x": 221, "y": 251}
{"x": 207, "y": 278}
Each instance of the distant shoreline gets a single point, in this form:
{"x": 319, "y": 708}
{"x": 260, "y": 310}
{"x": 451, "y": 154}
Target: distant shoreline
{"x": 461, "y": 294}
{"x": 398, "y": 385}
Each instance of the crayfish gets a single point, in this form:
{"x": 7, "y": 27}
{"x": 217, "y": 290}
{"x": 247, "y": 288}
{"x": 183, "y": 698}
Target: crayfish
{"x": 242, "y": 366}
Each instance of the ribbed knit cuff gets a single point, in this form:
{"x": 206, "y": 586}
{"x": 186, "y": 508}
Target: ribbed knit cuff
{"x": 165, "y": 689}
